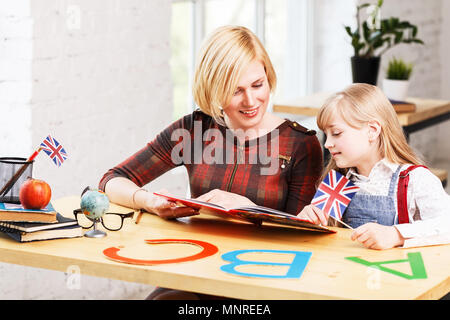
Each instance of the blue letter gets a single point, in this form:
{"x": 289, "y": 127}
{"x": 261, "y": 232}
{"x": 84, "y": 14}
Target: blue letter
{"x": 296, "y": 267}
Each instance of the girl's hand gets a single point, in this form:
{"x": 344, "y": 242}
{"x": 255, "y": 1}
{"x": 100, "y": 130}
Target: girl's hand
{"x": 225, "y": 199}
{"x": 313, "y": 214}
{"x": 377, "y": 236}
{"x": 167, "y": 209}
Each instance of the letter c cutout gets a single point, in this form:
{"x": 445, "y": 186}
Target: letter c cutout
{"x": 208, "y": 250}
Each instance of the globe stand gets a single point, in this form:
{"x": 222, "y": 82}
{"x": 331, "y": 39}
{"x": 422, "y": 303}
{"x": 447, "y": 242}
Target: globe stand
{"x": 95, "y": 233}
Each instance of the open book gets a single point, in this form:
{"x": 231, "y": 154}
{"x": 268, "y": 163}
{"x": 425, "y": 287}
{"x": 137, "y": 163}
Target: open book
{"x": 254, "y": 214}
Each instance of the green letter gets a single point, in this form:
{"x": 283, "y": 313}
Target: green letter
{"x": 414, "y": 259}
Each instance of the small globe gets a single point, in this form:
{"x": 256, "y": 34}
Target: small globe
{"x": 94, "y": 204}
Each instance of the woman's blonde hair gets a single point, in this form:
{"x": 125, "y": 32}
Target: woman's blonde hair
{"x": 357, "y": 105}
{"x": 222, "y": 58}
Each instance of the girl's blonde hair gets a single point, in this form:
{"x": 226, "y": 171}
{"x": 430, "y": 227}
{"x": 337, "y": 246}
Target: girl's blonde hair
{"x": 360, "y": 103}
{"x": 222, "y": 58}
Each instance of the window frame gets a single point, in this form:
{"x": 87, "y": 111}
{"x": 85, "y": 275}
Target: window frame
{"x": 299, "y": 75}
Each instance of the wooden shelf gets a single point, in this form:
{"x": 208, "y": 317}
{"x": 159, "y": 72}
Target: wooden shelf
{"x": 310, "y": 105}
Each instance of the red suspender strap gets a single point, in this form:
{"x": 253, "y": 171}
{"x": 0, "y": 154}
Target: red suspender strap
{"x": 402, "y": 192}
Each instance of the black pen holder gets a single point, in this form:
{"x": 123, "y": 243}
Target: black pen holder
{"x": 9, "y": 166}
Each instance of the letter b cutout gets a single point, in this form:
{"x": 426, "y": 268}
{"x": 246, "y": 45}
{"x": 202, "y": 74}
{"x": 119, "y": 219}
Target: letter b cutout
{"x": 295, "y": 270}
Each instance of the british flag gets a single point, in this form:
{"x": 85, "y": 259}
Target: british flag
{"x": 334, "y": 194}
{"x": 54, "y": 150}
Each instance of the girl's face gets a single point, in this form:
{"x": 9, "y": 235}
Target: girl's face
{"x": 248, "y": 105}
{"x": 352, "y": 147}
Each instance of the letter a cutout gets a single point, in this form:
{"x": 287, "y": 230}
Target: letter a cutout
{"x": 414, "y": 259}
{"x": 296, "y": 267}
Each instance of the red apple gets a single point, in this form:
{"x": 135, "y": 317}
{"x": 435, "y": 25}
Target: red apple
{"x": 35, "y": 194}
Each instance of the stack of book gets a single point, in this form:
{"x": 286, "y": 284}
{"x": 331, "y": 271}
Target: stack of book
{"x": 29, "y": 225}
{"x": 403, "y": 106}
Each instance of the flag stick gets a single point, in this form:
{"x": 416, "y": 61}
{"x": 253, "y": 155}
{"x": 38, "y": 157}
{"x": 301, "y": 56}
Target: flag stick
{"x": 340, "y": 221}
{"x": 19, "y": 173}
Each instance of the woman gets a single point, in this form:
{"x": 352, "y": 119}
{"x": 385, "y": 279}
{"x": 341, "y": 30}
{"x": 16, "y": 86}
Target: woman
{"x": 235, "y": 152}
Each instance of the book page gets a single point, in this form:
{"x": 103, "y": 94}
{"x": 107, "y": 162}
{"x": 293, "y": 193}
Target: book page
{"x": 196, "y": 204}
{"x": 260, "y": 209}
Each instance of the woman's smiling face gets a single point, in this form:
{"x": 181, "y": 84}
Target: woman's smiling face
{"x": 248, "y": 105}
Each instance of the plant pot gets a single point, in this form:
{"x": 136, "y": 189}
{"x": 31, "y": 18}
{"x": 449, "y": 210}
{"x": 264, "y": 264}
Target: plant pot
{"x": 396, "y": 89}
{"x": 365, "y": 70}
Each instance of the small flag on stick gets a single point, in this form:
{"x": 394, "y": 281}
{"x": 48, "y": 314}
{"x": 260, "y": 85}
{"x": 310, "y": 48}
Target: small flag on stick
{"x": 54, "y": 150}
{"x": 334, "y": 194}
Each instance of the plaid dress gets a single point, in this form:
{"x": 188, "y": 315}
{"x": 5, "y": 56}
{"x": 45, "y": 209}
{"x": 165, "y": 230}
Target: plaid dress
{"x": 277, "y": 170}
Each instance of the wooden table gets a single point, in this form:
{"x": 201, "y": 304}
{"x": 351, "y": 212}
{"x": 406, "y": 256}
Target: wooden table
{"x": 328, "y": 275}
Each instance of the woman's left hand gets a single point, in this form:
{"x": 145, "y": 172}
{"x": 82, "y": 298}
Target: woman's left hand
{"x": 225, "y": 199}
{"x": 377, "y": 236}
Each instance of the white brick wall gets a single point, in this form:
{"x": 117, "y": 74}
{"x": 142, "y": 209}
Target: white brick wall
{"x": 100, "y": 71}
{"x": 426, "y": 80}
{"x": 15, "y": 78}
{"x": 93, "y": 74}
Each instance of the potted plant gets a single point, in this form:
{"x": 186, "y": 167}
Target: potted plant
{"x": 396, "y": 83}
{"x": 373, "y": 37}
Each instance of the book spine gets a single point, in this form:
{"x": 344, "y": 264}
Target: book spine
{"x": 5, "y": 228}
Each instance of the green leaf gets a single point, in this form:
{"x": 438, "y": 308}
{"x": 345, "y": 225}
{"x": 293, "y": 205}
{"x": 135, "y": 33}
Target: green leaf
{"x": 398, "y": 37}
{"x": 375, "y": 41}
{"x": 364, "y": 5}
{"x": 366, "y": 30}
{"x": 395, "y": 22}
{"x": 404, "y": 25}
{"x": 349, "y": 31}
{"x": 398, "y": 69}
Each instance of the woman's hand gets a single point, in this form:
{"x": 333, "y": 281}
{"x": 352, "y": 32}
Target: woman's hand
{"x": 166, "y": 209}
{"x": 377, "y": 236}
{"x": 225, "y": 199}
{"x": 313, "y": 214}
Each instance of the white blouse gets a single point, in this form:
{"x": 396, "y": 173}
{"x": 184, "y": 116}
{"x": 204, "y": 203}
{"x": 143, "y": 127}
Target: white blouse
{"x": 428, "y": 203}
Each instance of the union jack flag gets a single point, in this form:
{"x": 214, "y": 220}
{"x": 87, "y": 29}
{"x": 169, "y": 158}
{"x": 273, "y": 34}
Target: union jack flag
{"x": 334, "y": 194}
{"x": 54, "y": 150}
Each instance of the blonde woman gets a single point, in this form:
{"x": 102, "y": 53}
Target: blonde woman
{"x": 234, "y": 150}
{"x": 366, "y": 142}
{"x": 233, "y": 81}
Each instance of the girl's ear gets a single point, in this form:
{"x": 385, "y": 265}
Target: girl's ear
{"x": 374, "y": 130}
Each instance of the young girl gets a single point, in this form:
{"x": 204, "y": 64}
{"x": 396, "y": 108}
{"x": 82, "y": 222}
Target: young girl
{"x": 367, "y": 144}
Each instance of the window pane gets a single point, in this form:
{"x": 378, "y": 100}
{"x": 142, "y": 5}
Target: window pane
{"x": 224, "y": 12}
{"x": 275, "y": 35}
{"x": 181, "y": 60}
{"x": 288, "y": 36}
{"x": 284, "y": 38}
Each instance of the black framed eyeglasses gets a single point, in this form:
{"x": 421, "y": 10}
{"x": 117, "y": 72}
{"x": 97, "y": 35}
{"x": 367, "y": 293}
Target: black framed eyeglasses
{"x": 112, "y": 221}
